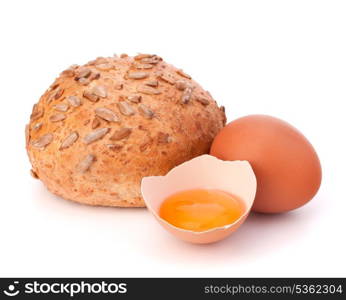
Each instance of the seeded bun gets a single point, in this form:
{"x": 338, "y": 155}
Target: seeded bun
{"x": 101, "y": 127}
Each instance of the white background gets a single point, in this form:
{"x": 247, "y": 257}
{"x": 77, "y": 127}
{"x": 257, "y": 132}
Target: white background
{"x": 283, "y": 58}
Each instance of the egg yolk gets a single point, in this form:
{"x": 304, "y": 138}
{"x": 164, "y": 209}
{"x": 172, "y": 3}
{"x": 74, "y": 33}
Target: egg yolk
{"x": 201, "y": 209}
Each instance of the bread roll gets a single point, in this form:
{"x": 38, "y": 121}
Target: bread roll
{"x": 101, "y": 127}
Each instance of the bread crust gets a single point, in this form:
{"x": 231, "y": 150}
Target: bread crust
{"x": 101, "y": 127}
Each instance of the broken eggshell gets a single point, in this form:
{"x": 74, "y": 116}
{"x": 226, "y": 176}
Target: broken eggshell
{"x": 203, "y": 172}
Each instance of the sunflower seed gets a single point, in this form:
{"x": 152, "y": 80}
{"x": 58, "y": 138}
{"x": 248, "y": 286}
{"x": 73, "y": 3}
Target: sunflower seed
{"x": 90, "y": 96}
{"x": 134, "y": 98}
{"x": 95, "y": 76}
{"x": 146, "y": 111}
{"x": 43, "y": 141}
{"x": 151, "y": 60}
{"x": 83, "y": 81}
{"x": 181, "y": 85}
{"x": 95, "y": 135}
{"x": 183, "y": 74}
{"x": 138, "y": 75}
{"x": 86, "y": 163}
{"x": 59, "y": 92}
{"x": 121, "y": 134}
{"x": 202, "y": 100}
{"x": 37, "y": 126}
{"x": 92, "y": 62}
{"x": 82, "y": 72}
{"x": 61, "y": 107}
{"x": 36, "y": 113}
{"x": 34, "y": 108}
{"x": 143, "y": 55}
{"x": 167, "y": 78}
{"x": 186, "y": 96}
{"x": 118, "y": 86}
{"x": 74, "y": 101}
{"x": 69, "y": 140}
{"x": 68, "y": 72}
{"x": 144, "y": 146}
{"x": 143, "y": 66}
{"x": 148, "y": 90}
{"x": 54, "y": 85}
{"x": 33, "y": 174}
{"x": 107, "y": 114}
{"x": 153, "y": 83}
{"x": 126, "y": 109}
{"x": 56, "y": 95}
{"x": 57, "y": 117}
{"x": 162, "y": 138}
{"x": 50, "y": 98}
{"x": 105, "y": 66}
{"x": 114, "y": 147}
{"x": 99, "y": 90}
{"x": 208, "y": 93}
{"x": 95, "y": 123}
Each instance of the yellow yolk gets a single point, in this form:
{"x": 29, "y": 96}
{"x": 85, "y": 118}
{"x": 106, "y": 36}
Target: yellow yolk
{"x": 201, "y": 209}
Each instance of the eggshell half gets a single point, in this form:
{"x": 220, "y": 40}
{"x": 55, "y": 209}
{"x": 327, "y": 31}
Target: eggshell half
{"x": 203, "y": 172}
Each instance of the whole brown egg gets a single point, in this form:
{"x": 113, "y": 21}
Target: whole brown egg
{"x": 286, "y": 166}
